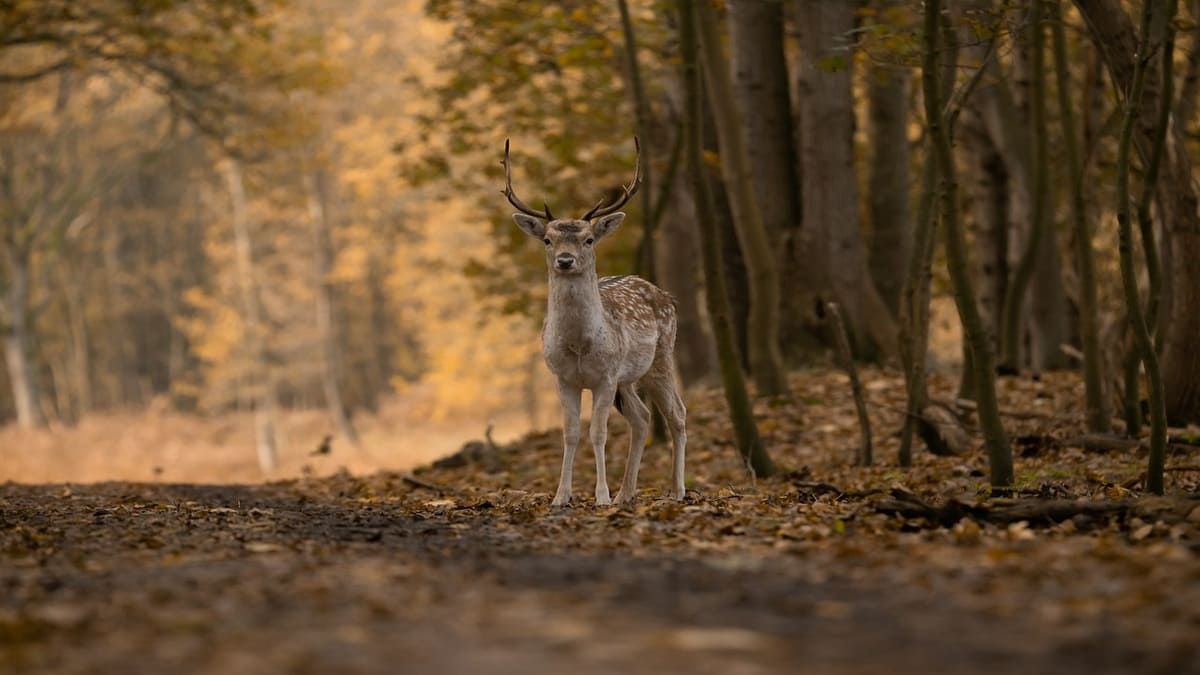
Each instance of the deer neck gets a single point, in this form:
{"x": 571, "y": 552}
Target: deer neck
{"x": 574, "y": 314}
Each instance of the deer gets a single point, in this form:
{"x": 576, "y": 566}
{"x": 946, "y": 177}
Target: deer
{"x": 610, "y": 335}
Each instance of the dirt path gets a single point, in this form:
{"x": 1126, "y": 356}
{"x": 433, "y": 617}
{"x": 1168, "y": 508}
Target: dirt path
{"x": 323, "y": 577}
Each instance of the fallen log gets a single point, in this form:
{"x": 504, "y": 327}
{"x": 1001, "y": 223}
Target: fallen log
{"x": 1038, "y": 512}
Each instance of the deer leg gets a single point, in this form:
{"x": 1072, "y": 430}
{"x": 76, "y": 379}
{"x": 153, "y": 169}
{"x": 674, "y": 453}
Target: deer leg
{"x": 638, "y": 416}
{"x": 569, "y": 398}
{"x": 602, "y": 400}
{"x": 662, "y": 391}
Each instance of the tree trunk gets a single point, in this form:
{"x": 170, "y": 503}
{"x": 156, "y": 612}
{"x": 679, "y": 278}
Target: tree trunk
{"x": 766, "y": 361}
{"x": 681, "y": 274}
{"x": 22, "y": 372}
{"x": 78, "y": 380}
{"x": 1048, "y": 304}
{"x": 761, "y": 85}
{"x": 831, "y": 237}
{"x": 1189, "y": 87}
{"x": 261, "y": 377}
{"x": 1141, "y": 334}
{"x": 641, "y": 107}
{"x": 1093, "y": 360}
{"x": 1114, "y": 35}
{"x": 999, "y": 452}
{"x": 988, "y": 185}
{"x": 741, "y": 411}
{"x": 888, "y": 192}
{"x": 318, "y": 209}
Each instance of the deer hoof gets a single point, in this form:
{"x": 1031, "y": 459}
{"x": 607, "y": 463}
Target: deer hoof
{"x": 625, "y": 498}
{"x": 678, "y": 494}
{"x": 561, "y": 499}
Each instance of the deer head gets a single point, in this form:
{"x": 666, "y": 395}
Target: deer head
{"x": 570, "y": 243}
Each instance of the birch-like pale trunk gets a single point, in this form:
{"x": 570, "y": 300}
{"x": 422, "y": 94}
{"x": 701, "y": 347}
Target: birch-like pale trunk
{"x": 261, "y": 378}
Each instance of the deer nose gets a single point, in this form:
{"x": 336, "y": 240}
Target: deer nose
{"x": 565, "y": 261}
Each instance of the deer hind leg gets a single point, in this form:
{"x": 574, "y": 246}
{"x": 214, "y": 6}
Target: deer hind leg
{"x": 638, "y": 416}
{"x": 569, "y": 398}
{"x": 661, "y": 388}
{"x": 602, "y": 401}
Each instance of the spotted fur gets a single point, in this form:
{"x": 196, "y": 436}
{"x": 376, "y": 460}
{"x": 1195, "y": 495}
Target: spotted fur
{"x": 609, "y": 336}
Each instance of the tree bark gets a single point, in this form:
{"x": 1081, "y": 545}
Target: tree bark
{"x": 831, "y": 238}
{"x": 989, "y": 186}
{"x": 1093, "y": 360}
{"x": 1141, "y": 333}
{"x": 1038, "y": 262}
{"x": 1114, "y": 35}
{"x": 766, "y": 361}
{"x": 22, "y": 372}
{"x": 1048, "y": 327}
{"x": 681, "y": 271}
{"x": 761, "y": 85}
{"x": 641, "y": 107}
{"x": 318, "y": 210}
{"x": 889, "y": 176}
{"x": 998, "y": 450}
{"x": 261, "y": 378}
{"x": 741, "y": 411}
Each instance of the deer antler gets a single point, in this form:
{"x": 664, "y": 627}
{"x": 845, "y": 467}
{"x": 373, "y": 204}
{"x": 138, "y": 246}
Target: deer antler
{"x": 512, "y": 196}
{"x": 600, "y": 210}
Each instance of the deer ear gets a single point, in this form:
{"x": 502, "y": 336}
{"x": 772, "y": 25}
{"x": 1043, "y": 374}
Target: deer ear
{"x": 607, "y": 224}
{"x": 531, "y": 226}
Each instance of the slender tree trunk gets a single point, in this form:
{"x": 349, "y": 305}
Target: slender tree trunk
{"x": 740, "y": 409}
{"x": 1141, "y": 333}
{"x": 262, "y": 380}
{"x": 1093, "y": 360}
{"x": 999, "y": 452}
{"x": 80, "y": 378}
{"x": 22, "y": 372}
{"x": 914, "y": 306}
{"x": 641, "y": 107}
{"x": 1114, "y": 35}
{"x": 318, "y": 209}
{"x": 889, "y": 176}
{"x": 831, "y": 237}
{"x": 681, "y": 272}
{"x": 1050, "y": 308}
{"x": 766, "y": 361}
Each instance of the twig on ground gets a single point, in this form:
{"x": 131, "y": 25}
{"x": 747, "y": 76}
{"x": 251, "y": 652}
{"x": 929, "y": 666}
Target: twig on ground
{"x": 417, "y": 482}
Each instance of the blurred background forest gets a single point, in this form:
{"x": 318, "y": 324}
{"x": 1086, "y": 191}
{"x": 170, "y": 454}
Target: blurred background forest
{"x": 231, "y": 228}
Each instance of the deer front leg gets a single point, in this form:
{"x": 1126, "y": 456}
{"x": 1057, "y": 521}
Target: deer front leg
{"x": 568, "y": 396}
{"x": 602, "y": 400}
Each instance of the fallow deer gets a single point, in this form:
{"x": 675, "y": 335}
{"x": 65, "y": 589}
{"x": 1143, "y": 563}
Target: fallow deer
{"x": 607, "y": 335}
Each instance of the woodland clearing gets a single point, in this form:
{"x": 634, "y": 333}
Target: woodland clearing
{"x": 462, "y": 566}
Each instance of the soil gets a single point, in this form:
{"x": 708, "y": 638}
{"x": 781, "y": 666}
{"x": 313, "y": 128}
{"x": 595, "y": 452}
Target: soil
{"x": 463, "y": 567}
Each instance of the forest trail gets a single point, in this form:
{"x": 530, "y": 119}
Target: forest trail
{"x": 465, "y": 568}
{"x": 198, "y": 579}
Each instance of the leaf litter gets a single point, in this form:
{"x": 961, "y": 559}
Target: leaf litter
{"x": 463, "y": 566}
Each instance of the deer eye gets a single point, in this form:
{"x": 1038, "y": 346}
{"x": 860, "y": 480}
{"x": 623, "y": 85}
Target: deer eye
{"x": 589, "y": 241}
{"x": 546, "y": 241}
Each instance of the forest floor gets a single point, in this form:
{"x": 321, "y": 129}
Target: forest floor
{"x": 463, "y": 567}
